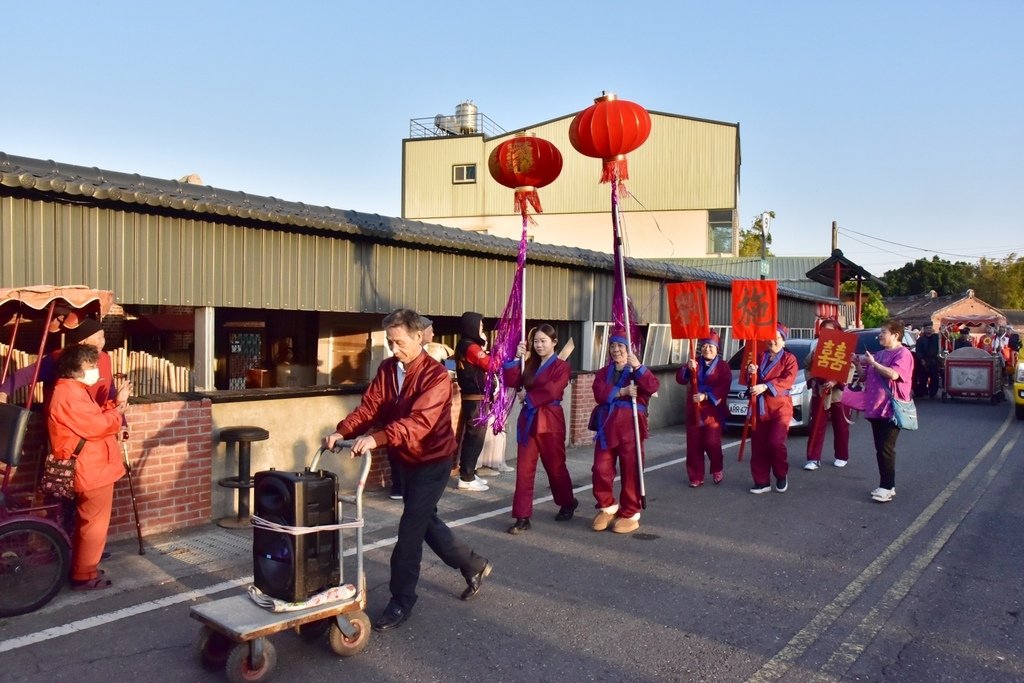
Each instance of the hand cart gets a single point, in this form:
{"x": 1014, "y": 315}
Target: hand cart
{"x": 235, "y": 629}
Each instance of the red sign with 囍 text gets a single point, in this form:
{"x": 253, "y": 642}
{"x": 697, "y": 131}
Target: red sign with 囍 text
{"x": 833, "y": 355}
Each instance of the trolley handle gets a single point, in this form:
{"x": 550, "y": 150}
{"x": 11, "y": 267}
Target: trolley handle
{"x": 339, "y": 446}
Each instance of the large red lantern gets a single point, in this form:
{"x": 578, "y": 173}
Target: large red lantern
{"x": 609, "y": 130}
{"x": 525, "y": 163}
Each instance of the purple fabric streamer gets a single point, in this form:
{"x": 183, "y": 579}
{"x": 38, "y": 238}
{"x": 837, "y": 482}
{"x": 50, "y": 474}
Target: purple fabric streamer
{"x": 619, "y": 293}
{"x": 499, "y": 398}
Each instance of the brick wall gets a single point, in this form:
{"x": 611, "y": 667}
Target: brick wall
{"x": 583, "y": 404}
{"x": 170, "y": 449}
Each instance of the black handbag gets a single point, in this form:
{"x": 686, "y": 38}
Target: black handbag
{"x": 59, "y": 475}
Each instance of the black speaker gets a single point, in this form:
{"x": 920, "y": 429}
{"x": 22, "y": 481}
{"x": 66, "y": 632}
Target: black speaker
{"x": 288, "y": 567}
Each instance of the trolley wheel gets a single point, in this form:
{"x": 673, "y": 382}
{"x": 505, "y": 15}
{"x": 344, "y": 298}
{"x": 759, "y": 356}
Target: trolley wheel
{"x": 342, "y": 645}
{"x": 1019, "y": 410}
{"x": 239, "y": 669}
{"x": 214, "y": 648}
{"x": 312, "y": 631}
{"x": 945, "y": 397}
{"x": 34, "y": 564}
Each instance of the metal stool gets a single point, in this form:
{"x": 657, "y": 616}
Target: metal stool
{"x": 244, "y": 436}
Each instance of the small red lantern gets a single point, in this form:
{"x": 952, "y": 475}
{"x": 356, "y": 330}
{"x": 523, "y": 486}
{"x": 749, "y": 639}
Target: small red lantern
{"x": 609, "y": 129}
{"x": 525, "y": 163}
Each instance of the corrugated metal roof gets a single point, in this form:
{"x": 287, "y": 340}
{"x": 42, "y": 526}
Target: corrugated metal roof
{"x": 82, "y": 183}
{"x": 788, "y": 271}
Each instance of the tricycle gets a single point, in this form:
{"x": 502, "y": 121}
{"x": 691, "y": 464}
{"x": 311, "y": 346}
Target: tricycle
{"x": 35, "y": 549}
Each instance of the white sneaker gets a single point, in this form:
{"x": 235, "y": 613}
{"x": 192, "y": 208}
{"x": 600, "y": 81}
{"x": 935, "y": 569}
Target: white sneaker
{"x": 839, "y": 463}
{"x": 475, "y": 485}
{"x": 881, "y": 495}
{"x": 479, "y": 479}
{"x": 811, "y": 465}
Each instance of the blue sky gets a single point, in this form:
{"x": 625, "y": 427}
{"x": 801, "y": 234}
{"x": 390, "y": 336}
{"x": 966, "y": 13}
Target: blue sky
{"x": 899, "y": 120}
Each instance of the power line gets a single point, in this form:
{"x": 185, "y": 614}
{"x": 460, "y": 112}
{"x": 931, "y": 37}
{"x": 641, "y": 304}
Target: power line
{"x": 848, "y": 232}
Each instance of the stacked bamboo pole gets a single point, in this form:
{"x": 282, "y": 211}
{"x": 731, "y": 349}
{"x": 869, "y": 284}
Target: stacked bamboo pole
{"x": 149, "y": 374}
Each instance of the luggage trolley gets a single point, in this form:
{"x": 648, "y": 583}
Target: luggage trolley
{"x": 235, "y": 629}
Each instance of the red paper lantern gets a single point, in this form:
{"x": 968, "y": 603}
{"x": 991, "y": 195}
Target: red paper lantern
{"x": 525, "y": 163}
{"x": 608, "y": 130}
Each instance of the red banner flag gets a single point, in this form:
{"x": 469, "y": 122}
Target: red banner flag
{"x": 832, "y": 355}
{"x": 754, "y": 309}
{"x": 688, "y": 309}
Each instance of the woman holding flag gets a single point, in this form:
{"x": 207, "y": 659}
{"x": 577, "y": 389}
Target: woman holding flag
{"x": 706, "y": 410}
{"x": 615, "y": 387}
{"x": 827, "y": 409}
{"x": 541, "y": 427}
{"x": 775, "y": 372}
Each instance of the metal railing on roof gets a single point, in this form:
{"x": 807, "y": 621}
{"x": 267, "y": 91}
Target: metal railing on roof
{"x": 449, "y": 126}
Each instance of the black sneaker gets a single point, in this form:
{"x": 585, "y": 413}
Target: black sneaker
{"x": 565, "y": 512}
{"x": 781, "y": 485}
{"x": 761, "y": 488}
{"x": 522, "y": 524}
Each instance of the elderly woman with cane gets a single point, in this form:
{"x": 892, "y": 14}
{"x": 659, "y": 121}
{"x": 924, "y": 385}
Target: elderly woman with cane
{"x": 87, "y": 432}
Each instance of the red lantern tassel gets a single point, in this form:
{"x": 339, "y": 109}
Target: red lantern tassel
{"x": 527, "y": 196}
{"x": 616, "y": 167}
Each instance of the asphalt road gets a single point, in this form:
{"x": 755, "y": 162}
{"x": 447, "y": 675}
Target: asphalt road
{"x": 816, "y": 584}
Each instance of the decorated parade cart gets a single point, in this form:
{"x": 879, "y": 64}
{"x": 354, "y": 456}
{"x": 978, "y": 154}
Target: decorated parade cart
{"x": 974, "y": 372}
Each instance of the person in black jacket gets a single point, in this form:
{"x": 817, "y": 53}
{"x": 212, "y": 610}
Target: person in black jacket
{"x": 471, "y": 365}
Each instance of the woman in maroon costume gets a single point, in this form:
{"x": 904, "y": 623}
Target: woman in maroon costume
{"x": 541, "y": 427}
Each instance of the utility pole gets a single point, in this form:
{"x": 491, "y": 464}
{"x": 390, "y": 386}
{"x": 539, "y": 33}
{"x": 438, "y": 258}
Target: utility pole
{"x": 766, "y": 221}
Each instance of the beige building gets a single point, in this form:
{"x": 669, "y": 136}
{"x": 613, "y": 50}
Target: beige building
{"x": 684, "y": 183}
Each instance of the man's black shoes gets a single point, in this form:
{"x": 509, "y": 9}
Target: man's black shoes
{"x": 474, "y": 582}
{"x": 393, "y": 617}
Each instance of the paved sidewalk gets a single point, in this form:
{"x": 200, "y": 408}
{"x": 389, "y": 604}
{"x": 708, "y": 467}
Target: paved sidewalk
{"x": 209, "y": 548}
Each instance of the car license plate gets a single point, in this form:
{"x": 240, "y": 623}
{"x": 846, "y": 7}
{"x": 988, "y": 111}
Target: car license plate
{"x": 737, "y": 408}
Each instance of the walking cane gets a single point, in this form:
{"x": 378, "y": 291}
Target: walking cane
{"x": 131, "y": 489}
{"x": 629, "y": 340}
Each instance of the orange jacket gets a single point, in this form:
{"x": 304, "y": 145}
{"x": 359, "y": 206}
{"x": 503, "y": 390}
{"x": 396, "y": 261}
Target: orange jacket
{"x": 73, "y": 415}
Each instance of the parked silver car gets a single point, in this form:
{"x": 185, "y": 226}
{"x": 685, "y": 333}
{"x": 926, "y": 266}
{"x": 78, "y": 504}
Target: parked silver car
{"x": 799, "y": 393}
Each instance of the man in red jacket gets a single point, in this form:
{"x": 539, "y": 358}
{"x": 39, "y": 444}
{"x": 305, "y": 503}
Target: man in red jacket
{"x": 408, "y": 409}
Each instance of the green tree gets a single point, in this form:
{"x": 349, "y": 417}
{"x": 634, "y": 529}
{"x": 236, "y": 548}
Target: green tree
{"x": 1000, "y": 283}
{"x": 873, "y": 312}
{"x": 750, "y": 238}
{"x": 923, "y": 275}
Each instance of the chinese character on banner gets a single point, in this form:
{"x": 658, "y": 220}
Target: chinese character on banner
{"x": 688, "y": 309}
{"x": 754, "y": 309}
{"x": 832, "y": 355}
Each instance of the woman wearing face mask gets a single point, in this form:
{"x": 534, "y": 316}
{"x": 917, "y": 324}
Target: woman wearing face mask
{"x": 541, "y": 427}
{"x": 706, "y": 410}
{"x": 79, "y": 428}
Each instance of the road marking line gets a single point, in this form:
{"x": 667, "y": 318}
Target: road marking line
{"x": 142, "y": 608}
{"x": 778, "y": 665}
{"x": 848, "y": 652}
